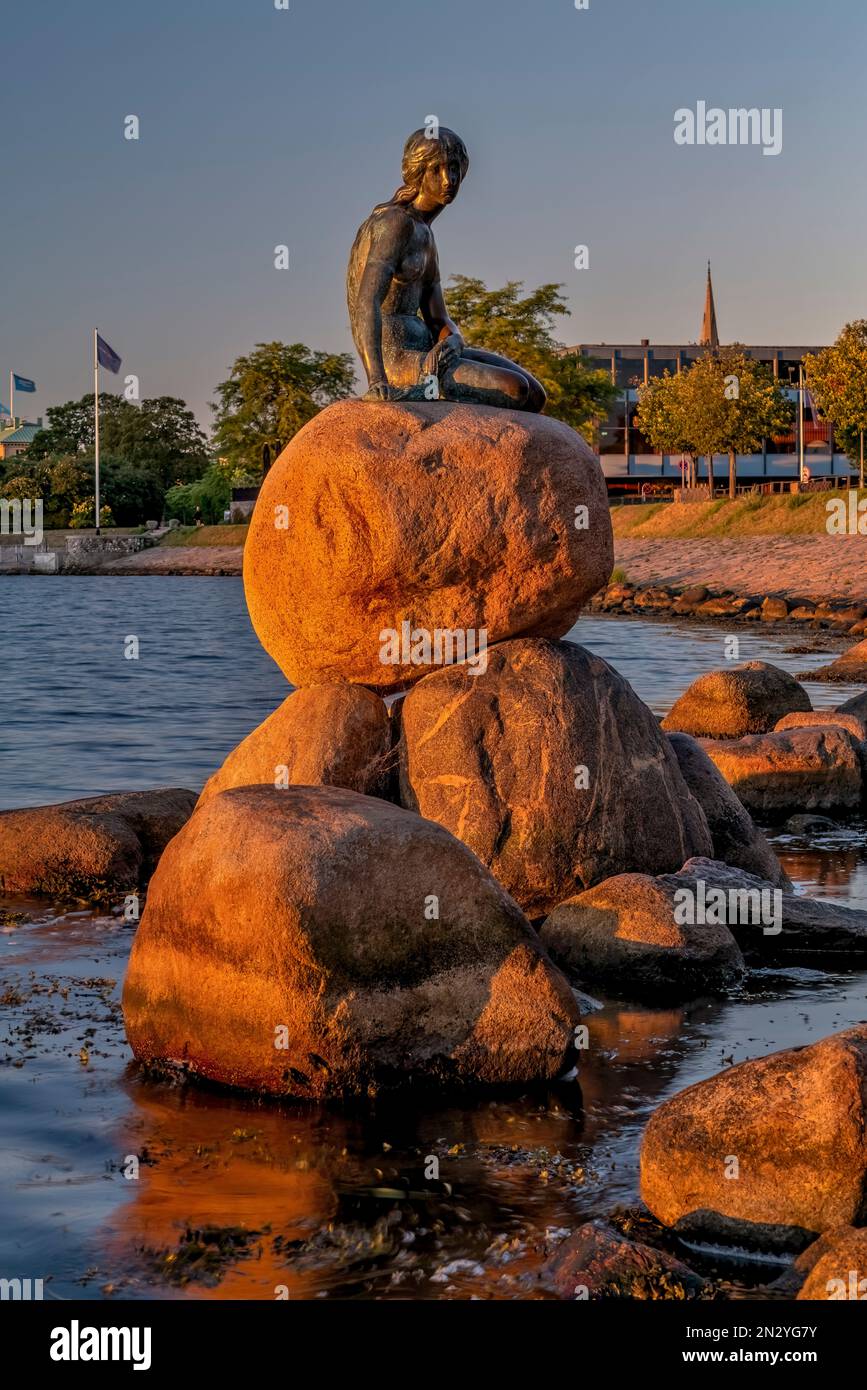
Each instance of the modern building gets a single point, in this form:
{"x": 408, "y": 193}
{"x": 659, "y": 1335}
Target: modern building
{"x": 628, "y": 460}
{"x": 15, "y": 435}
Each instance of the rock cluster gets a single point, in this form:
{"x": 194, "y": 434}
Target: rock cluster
{"x": 700, "y": 602}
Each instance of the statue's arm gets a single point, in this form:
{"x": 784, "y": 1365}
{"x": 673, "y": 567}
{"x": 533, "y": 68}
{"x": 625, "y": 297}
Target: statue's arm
{"x": 435, "y": 313}
{"x": 386, "y": 248}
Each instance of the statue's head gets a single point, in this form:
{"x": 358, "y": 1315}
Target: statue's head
{"x": 434, "y": 164}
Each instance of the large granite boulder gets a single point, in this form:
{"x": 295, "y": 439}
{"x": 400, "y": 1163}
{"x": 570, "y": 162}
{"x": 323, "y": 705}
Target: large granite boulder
{"x": 736, "y": 700}
{"x": 736, "y": 838}
{"x": 627, "y": 936}
{"x": 811, "y": 769}
{"x": 324, "y": 735}
{"x": 389, "y": 538}
{"x": 772, "y": 1151}
{"x": 313, "y": 942}
{"x": 550, "y": 768}
{"x": 92, "y": 849}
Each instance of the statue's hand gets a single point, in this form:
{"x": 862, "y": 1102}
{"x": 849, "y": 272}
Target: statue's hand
{"x": 443, "y": 355}
{"x": 380, "y": 391}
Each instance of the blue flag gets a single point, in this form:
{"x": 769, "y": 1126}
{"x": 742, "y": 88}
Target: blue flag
{"x": 106, "y": 356}
{"x": 23, "y": 383}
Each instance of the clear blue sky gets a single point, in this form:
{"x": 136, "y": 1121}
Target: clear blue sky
{"x": 261, "y": 127}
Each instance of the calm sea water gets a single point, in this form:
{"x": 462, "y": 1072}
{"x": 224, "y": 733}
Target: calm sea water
{"x": 249, "y": 1198}
{"x": 78, "y": 718}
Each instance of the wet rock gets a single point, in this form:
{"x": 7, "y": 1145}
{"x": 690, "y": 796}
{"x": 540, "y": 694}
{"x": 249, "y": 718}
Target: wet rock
{"x": 324, "y": 735}
{"x": 850, "y": 666}
{"x": 625, "y": 936}
{"x": 791, "y": 1126}
{"x": 857, "y": 705}
{"x": 550, "y": 768}
{"x": 448, "y": 518}
{"x": 736, "y": 838}
{"x": 804, "y": 613}
{"x": 91, "y": 849}
{"x": 313, "y": 942}
{"x": 596, "y": 1261}
{"x": 808, "y": 927}
{"x": 736, "y": 700}
{"x": 835, "y": 1266}
{"x": 809, "y": 825}
{"x": 812, "y": 769}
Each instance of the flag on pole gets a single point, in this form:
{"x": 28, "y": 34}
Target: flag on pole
{"x": 23, "y": 383}
{"x": 107, "y": 356}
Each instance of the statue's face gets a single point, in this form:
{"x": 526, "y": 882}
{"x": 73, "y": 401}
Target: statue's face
{"x": 442, "y": 180}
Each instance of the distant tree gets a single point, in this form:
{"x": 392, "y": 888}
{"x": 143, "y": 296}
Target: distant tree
{"x": 212, "y": 493}
{"x": 160, "y": 434}
{"x": 270, "y": 394}
{"x": 521, "y": 328}
{"x": 664, "y": 418}
{"x": 725, "y": 403}
{"x": 837, "y": 378}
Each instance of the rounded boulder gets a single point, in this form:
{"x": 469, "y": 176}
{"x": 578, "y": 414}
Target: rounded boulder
{"x": 388, "y": 537}
{"x": 310, "y": 941}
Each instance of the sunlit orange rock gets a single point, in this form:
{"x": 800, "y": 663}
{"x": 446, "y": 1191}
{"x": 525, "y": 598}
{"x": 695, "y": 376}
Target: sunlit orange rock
{"x": 810, "y": 769}
{"x": 550, "y": 768}
{"x": 835, "y": 1266}
{"x": 444, "y": 517}
{"x": 767, "y": 1150}
{"x": 596, "y": 1261}
{"x": 624, "y": 936}
{"x": 850, "y": 666}
{"x": 736, "y": 838}
{"x": 325, "y": 735}
{"x": 310, "y": 941}
{"x": 90, "y": 849}
{"x": 736, "y": 700}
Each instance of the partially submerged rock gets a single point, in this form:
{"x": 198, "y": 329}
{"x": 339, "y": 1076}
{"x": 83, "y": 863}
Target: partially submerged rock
{"x": 315, "y": 942}
{"x": 325, "y": 735}
{"x": 421, "y": 518}
{"x": 737, "y": 840}
{"x": 550, "y": 768}
{"x": 625, "y": 935}
{"x": 811, "y": 769}
{"x": 772, "y": 1149}
{"x": 90, "y": 849}
{"x": 596, "y": 1261}
{"x": 736, "y": 700}
{"x": 850, "y": 666}
{"x": 796, "y": 926}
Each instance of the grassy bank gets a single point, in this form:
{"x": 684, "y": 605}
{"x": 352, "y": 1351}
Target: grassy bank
{"x": 781, "y": 514}
{"x": 206, "y": 536}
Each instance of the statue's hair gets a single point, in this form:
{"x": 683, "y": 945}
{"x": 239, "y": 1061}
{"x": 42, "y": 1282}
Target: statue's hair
{"x": 418, "y": 152}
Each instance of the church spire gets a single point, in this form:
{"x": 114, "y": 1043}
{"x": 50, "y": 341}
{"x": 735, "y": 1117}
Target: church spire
{"x": 709, "y": 335}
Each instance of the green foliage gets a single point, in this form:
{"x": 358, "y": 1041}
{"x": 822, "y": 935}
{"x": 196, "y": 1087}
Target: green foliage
{"x": 618, "y": 575}
{"x": 837, "y": 377}
{"x": 725, "y": 403}
{"x": 133, "y": 493}
{"x": 270, "y": 395}
{"x": 521, "y": 328}
{"x": 83, "y": 512}
{"x": 212, "y": 494}
{"x": 160, "y": 435}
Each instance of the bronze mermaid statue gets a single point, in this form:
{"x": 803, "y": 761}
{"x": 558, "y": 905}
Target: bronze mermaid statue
{"x": 410, "y": 348}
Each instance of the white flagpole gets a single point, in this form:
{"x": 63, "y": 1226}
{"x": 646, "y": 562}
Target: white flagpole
{"x": 96, "y": 426}
{"x": 12, "y": 397}
{"x": 801, "y": 422}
